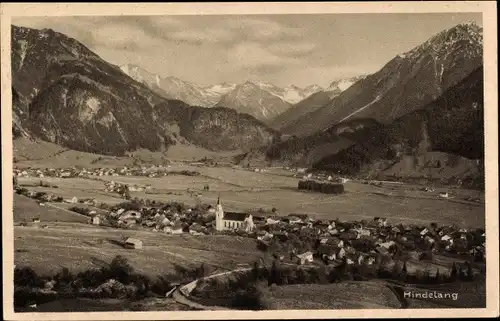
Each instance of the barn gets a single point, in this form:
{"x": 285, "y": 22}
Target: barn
{"x": 132, "y": 243}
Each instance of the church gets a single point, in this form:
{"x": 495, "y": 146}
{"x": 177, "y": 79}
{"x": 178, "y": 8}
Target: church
{"x": 232, "y": 220}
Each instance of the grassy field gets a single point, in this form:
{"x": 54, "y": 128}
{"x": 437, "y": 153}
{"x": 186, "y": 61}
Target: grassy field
{"x": 245, "y": 190}
{"x": 104, "y": 305}
{"x": 37, "y": 153}
{"x": 81, "y": 246}
{"x": 67, "y": 242}
{"x": 333, "y": 296}
{"x": 25, "y": 209}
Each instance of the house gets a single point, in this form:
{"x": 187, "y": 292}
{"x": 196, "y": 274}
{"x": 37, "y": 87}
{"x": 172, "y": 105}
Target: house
{"x": 266, "y": 237}
{"x": 333, "y": 232}
{"x": 132, "y": 243}
{"x": 305, "y": 257}
{"x": 382, "y": 221}
{"x": 327, "y": 252}
{"x": 271, "y": 221}
{"x": 131, "y": 214}
{"x": 177, "y": 228}
{"x": 96, "y": 220}
{"x": 341, "y": 253}
{"x": 231, "y": 220}
{"x": 396, "y": 230}
{"x": 73, "y": 200}
{"x": 362, "y": 232}
{"x": 294, "y": 220}
{"x": 387, "y": 245}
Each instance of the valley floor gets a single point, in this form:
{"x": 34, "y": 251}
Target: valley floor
{"x": 69, "y": 242}
{"x": 244, "y": 190}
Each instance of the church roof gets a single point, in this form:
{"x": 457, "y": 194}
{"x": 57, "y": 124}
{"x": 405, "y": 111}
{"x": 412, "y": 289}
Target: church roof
{"x": 235, "y": 216}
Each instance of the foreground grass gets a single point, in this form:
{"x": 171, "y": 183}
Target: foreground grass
{"x": 81, "y": 246}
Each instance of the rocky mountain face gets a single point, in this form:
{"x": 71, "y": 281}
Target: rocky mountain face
{"x": 178, "y": 89}
{"x": 251, "y": 99}
{"x": 291, "y": 94}
{"x": 286, "y": 119}
{"x": 68, "y": 95}
{"x": 407, "y": 83}
{"x": 420, "y": 116}
{"x": 238, "y": 97}
{"x": 445, "y": 135}
{"x": 286, "y": 122}
{"x": 340, "y": 85}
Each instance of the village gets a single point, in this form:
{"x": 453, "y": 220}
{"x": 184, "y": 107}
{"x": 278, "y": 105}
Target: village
{"x": 289, "y": 237}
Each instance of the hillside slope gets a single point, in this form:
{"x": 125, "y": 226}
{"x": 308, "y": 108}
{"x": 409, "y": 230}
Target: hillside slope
{"x": 302, "y": 108}
{"x": 251, "y": 99}
{"x": 408, "y": 82}
{"x": 451, "y": 125}
{"x": 68, "y": 95}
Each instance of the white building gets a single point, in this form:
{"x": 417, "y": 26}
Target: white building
{"x": 232, "y": 220}
{"x": 96, "y": 220}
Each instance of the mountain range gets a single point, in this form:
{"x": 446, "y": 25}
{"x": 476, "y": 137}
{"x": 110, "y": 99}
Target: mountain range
{"x": 406, "y": 83}
{"x": 286, "y": 120}
{"x": 426, "y": 101}
{"x": 262, "y": 100}
{"x": 423, "y": 107}
{"x": 66, "y": 94}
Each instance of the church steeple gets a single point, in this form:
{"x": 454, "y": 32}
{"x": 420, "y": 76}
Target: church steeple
{"x": 219, "y": 216}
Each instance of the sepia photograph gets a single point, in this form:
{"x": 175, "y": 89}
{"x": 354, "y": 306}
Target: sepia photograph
{"x": 215, "y": 159}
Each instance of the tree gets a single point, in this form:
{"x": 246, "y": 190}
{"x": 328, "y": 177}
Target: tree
{"x": 404, "y": 272}
{"x": 470, "y": 274}
{"x": 437, "y": 277}
{"x": 250, "y": 298}
{"x": 120, "y": 269}
{"x": 454, "y": 272}
{"x": 273, "y": 275}
{"x": 255, "y": 271}
{"x": 396, "y": 271}
{"x": 26, "y": 276}
{"x": 126, "y": 193}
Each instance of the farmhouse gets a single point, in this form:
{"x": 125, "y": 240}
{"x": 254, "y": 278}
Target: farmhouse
{"x": 232, "y": 220}
{"x": 132, "y": 243}
{"x": 96, "y": 220}
{"x": 305, "y": 257}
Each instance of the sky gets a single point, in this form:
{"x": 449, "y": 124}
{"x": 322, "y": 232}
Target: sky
{"x": 281, "y": 49}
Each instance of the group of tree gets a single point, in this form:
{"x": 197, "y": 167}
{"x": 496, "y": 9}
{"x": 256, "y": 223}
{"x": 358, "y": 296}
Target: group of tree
{"x": 131, "y": 284}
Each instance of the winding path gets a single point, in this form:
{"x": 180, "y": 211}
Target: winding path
{"x": 182, "y": 293}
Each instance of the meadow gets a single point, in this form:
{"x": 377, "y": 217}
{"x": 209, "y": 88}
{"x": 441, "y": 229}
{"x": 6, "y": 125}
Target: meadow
{"x": 244, "y": 190}
{"x": 345, "y": 295}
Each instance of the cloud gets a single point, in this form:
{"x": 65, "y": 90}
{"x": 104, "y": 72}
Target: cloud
{"x": 253, "y": 55}
{"x": 263, "y": 30}
{"x": 198, "y": 37}
{"x": 293, "y": 49}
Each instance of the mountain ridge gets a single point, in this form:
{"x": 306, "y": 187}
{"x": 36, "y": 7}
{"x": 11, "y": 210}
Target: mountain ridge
{"x": 364, "y": 145}
{"x": 405, "y": 83}
{"x": 68, "y": 95}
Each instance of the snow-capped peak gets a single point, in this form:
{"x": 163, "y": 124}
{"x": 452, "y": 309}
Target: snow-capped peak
{"x": 442, "y": 43}
{"x": 340, "y": 85}
{"x": 220, "y": 89}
